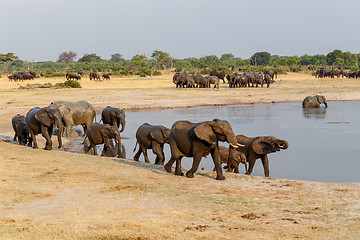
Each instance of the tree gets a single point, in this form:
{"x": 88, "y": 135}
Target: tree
{"x": 140, "y": 60}
{"x": 227, "y": 56}
{"x": 117, "y": 57}
{"x": 332, "y": 56}
{"x": 260, "y": 58}
{"x": 7, "y": 58}
{"x": 88, "y": 58}
{"x": 67, "y": 57}
{"x": 160, "y": 58}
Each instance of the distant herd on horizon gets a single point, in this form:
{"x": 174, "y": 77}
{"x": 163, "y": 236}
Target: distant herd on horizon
{"x": 186, "y": 139}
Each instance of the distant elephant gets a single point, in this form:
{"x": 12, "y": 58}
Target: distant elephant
{"x": 41, "y": 120}
{"x": 72, "y": 75}
{"x": 22, "y": 133}
{"x": 181, "y": 79}
{"x": 114, "y": 117}
{"x": 75, "y": 113}
{"x": 106, "y": 76}
{"x": 81, "y": 73}
{"x": 314, "y": 101}
{"x": 200, "y": 81}
{"x": 197, "y": 140}
{"x": 102, "y": 133}
{"x": 17, "y": 118}
{"x": 272, "y": 73}
{"x": 152, "y": 137}
{"x": 219, "y": 74}
{"x": 259, "y": 147}
{"x": 95, "y": 76}
{"x": 267, "y": 80}
{"x": 214, "y": 80}
{"x": 237, "y": 158}
{"x": 250, "y": 79}
{"x": 190, "y": 83}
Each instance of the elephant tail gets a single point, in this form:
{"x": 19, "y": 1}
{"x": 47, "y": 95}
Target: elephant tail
{"x": 135, "y": 146}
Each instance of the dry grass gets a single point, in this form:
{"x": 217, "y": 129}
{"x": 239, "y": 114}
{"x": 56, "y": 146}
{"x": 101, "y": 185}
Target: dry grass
{"x": 62, "y": 195}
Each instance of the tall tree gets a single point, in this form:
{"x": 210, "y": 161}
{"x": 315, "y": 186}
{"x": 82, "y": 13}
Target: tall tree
{"x": 88, "y": 58}
{"x": 117, "y": 57}
{"x": 7, "y": 58}
{"x": 67, "y": 57}
{"x": 260, "y": 58}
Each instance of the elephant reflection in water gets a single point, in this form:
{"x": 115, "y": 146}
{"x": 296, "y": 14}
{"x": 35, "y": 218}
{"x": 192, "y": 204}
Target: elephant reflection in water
{"x": 314, "y": 113}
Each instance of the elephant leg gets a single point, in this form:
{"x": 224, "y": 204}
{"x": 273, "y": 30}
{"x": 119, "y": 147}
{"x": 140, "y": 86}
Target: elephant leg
{"x": 107, "y": 144}
{"x": 157, "y": 150}
{"x": 236, "y": 167}
{"x": 46, "y": 135}
{"x": 251, "y": 161}
{"x": 15, "y": 136}
{"x": 178, "y": 167}
{"x": 144, "y": 151}
{"x": 197, "y": 155}
{"x": 137, "y": 155}
{"x": 32, "y": 139}
{"x": 93, "y": 146}
{"x": 215, "y": 154}
{"x": 265, "y": 163}
{"x": 104, "y": 150}
{"x": 169, "y": 164}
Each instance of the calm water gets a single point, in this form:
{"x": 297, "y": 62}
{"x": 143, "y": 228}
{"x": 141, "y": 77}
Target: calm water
{"x": 323, "y": 143}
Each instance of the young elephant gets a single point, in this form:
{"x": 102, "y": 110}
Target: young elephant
{"x": 102, "y": 133}
{"x": 151, "y": 137}
{"x": 237, "y": 158}
{"x": 259, "y": 147}
{"x": 114, "y": 117}
{"x": 314, "y": 101}
{"x": 14, "y": 121}
{"x": 22, "y": 133}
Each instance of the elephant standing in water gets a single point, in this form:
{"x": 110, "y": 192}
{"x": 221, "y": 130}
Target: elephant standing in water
{"x": 17, "y": 118}
{"x": 75, "y": 113}
{"x": 197, "y": 140}
{"x": 259, "y": 147}
{"x": 22, "y": 133}
{"x": 41, "y": 120}
{"x": 102, "y": 133}
{"x": 314, "y": 101}
{"x": 114, "y": 117}
{"x": 152, "y": 137}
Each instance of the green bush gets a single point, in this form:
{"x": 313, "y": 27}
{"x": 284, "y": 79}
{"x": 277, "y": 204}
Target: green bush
{"x": 142, "y": 74}
{"x": 69, "y": 83}
{"x": 156, "y": 73}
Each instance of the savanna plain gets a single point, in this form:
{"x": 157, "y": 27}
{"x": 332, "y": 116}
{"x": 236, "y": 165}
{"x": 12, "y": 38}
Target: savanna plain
{"x": 63, "y": 195}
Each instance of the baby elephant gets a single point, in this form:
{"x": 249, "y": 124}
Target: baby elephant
{"x": 22, "y": 133}
{"x": 17, "y": 118}
{"x": 314, "y": 101}
{"x": 237, "y": 157}
{"x": 102, "y": 133}
{"x": 151, "y": 137}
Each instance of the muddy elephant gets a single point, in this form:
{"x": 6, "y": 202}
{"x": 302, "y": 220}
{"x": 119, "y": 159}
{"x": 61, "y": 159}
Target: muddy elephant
{"x": 114, "y": 117}
{"x": 259, "y": 147}
{"x": 197, "y": 140}
{"x": 314, "y": 101}
{"x": 42, "y": 120}
{"x": 17, "y": 118}
{"x": 219, "y": 74}
{"x": 237, "y": 158}
{"x": 22, "y": 133}
{"x": 214, "y": 80}
{"x": 151, "y": 137}
{"x": 95, "y": 76}
{"x": 102, "y": 134}
{"x": 75, "y": 113}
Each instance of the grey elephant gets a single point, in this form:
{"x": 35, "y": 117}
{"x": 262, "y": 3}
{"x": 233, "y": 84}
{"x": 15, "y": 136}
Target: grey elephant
{"x": 95, "y": 76}
{"x": 22, "y": 133}
{"x": 75, "y": 113}
{"x": 42, "y": 120}
{"x": 237, "y": 158}
{"x": 151, "y": 137}
{"x": 314, "y": 101}
{"x": 114, "y": 117}
{"x": 219, "y": 74}
{"x": 259, "y": 147}
{"x": 197, "y": 140}
{"x": 102, "y": 134}
{"x": 273, "y": 73}
{"x": 213, "y": 80}
{"x": 17, "y": 118}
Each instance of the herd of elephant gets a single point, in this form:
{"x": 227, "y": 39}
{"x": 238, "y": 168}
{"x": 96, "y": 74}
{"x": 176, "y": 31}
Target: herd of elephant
{"x": 237, "y": 79}
{"x": 186, "y": 139}
{"x": 331, "y": 73}
{"x": 21, "y": 76}
{"x": 92, "y": 76}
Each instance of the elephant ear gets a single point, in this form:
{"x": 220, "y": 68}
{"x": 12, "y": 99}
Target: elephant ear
{"x": 64, "y": 110}
{"x": 43, "y": 117}
{"x": 261, "y": 146}
{"x": 205, "y": 132}
{"x": 105, "y": 131}
{"x": 158, "y": 135}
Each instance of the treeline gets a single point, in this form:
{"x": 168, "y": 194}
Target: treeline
{"x": 152, "y": 65}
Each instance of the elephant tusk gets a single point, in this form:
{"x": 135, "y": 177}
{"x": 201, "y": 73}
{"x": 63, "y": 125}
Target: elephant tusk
{"x": 241, "y": 145}
{"x": 237, "y": 145}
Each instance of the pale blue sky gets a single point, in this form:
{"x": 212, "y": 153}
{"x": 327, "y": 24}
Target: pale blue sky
{"x": 39, "y": 30}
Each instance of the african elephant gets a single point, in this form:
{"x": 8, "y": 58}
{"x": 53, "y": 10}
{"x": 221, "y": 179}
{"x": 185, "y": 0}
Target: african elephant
{"x": 259, "y": 147}
{"x": 250, "y": 78}
{"x": 314, "y": 101}
{"x": 200, "y": 81}
{"x": 237, "y": 158}
{"x": 17, "y": 118}
{"x": 267, "y": 80}
{"x": 95, "y": 76}
{"x": 197, "y": 140}
{"x": 41, "y": 120}
{"x": 72, "y": 75}
{"x": 102, "y": 133}
{"x": 152, "y": 137}
{"x": 219, "y": 74}
{"x": 272, "y": 73}
{"x": 181, "y": 79}
{"x": 114, "y": 117}
{"x": 106, "y": 76}
{"x": 213, "y": 80}
{"x": 190, "y": 83}
{"x": 22, "y": 133}
{"x": 75, "y": 113}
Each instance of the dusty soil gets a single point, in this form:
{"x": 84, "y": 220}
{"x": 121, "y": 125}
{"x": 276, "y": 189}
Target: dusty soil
{"x": 62, "y": 195}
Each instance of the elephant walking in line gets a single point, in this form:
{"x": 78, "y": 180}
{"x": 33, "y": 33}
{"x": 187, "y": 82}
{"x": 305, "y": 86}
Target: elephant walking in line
{"x": 17, "y": 118}
{"x": 22, "y": 133}
{"x": 101, "y": 134}
{"x": 219, "y": 74}
{"x": 259, "y": 147}
{"x": 272, "y": 73}
{"x": 197, "y": 140}
{"x": 41, "y": 120}
{"x": 75, "y": 113}
{"x": 237, "y": 158}
{"x": 152, "y": 137}
{"x": 114, "y": 117}
{"x": 314, "y": 101}
{"x": 214, "y": 80}
{"x": 95, "y": 76}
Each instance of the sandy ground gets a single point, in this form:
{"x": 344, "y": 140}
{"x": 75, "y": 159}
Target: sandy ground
{"x": 62, "y": 195}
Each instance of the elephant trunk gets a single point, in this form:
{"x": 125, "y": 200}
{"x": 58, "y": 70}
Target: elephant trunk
{"x": 325, "y": 104}
{"x": 118, "y": 140}
{"x": 60, "y": 128}
{"x": 231, "y": 139}
{"x": 283, "y": 144}
{"x": 123, "y": 123}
